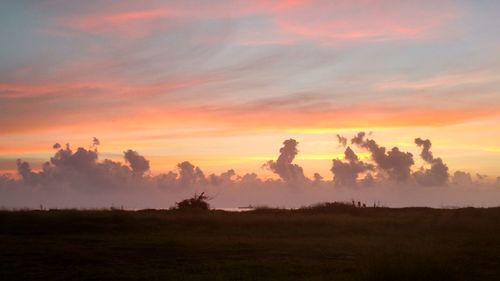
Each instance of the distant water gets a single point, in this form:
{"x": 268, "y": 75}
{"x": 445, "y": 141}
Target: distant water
{"x": 239, "y": 209}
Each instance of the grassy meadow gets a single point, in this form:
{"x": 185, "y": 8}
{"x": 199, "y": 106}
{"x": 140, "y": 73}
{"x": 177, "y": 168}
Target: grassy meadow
{"x": 329, "y": 242}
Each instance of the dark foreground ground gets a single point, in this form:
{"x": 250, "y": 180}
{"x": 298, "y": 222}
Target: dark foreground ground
{"x": 316, "y": 244}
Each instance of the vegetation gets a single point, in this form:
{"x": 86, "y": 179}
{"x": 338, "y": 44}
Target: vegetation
{"x": 323, "y": 242}
{"x": 195, "y": 203}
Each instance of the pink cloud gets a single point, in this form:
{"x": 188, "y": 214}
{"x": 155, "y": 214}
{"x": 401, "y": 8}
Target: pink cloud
{"x": 131, "y": 23}
{"x": 334, "y": 22}
{"x": 327, "y": 22}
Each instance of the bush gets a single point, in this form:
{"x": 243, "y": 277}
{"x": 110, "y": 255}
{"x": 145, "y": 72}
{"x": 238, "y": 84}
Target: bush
{"x": 197, "y": 202}
{"x": 330, "y": 207}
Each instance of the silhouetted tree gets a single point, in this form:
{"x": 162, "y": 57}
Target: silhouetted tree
{"x": 197, "y": 202}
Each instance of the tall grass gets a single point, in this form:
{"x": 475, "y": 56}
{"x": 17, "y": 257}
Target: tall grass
{"x": 329, "y": 241}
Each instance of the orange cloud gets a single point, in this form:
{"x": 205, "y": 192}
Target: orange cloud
{"x": 233, "y": 118}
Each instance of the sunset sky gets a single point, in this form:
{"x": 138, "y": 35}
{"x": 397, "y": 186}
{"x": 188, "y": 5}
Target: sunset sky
{"x": 223, "y": 83}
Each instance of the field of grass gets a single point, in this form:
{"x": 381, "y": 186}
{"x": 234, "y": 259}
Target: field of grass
{"x": 331, "y": 243}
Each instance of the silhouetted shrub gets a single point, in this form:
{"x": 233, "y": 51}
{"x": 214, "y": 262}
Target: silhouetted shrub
{"x": 330, "y": 207}
{"x": 195, "y": 203}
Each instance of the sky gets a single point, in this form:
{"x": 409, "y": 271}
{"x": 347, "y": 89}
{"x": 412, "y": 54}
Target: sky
{"x": 222, "y": 84}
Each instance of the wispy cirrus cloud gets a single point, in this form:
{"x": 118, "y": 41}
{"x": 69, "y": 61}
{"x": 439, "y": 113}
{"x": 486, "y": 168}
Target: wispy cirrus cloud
{"x": 283, "y": 22}
{"x": 337, "y": 22}
{"x": 135, "y": 113}
{"x": 443, "y": 81}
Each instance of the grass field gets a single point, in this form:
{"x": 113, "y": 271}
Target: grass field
{"x": 331, "y": 243}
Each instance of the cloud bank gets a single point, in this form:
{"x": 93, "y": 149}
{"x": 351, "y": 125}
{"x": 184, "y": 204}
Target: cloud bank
{"x": 78, "y": 178}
